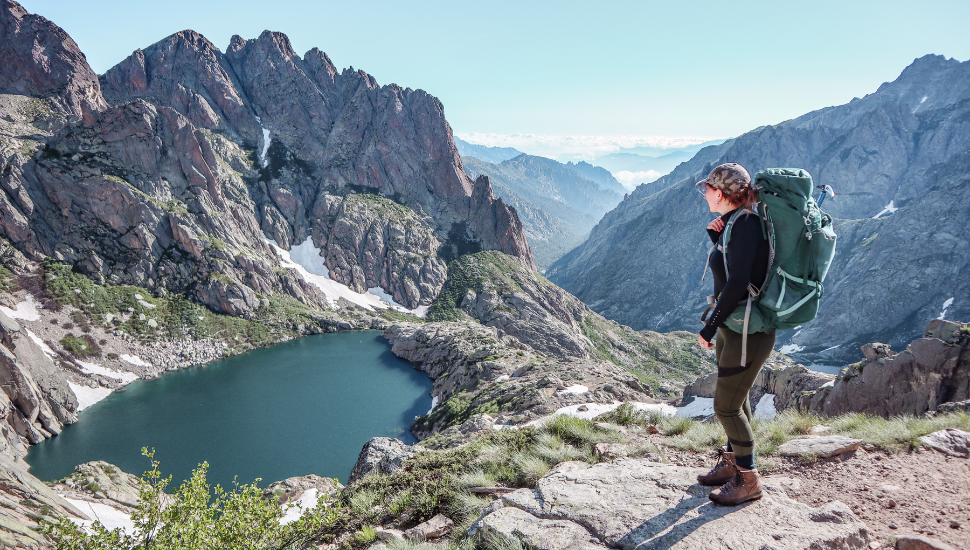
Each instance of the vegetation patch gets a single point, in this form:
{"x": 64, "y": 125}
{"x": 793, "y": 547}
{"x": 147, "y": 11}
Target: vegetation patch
{"x": 8, "y": 283}
{"x": 200, "y": 516}
{"x": 82, "y": 347}
{"x": 130, "y": 308}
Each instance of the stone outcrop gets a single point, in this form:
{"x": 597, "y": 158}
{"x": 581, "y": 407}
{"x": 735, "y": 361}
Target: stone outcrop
{"x": 950, "y": 441}
{"x": 500, "y": 292}
{"x": 905, "y": 146}
{"x": 36, "y": 401}
{"x": 482, "y": 372}
{"x": 102, "y": 482}
{"x": 380, "y": 455}
{"x": 291, "y": 489}
{"x": 779, "y": 377}
{"x": 369, "y": 241}
{"x": 40, "y": 60}
{"x": 933, "y": 370}
{"x": 819, "y": 446}
{"x": 639, "y": 504}
{"x": 24, "y": 502}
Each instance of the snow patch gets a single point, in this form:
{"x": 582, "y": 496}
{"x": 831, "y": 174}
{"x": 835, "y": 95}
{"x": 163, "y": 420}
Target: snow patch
{"x": 26, "y": 310}
{"x": 266, "y": 140}
{"x": 434, "y": 403}
{"x": 94, "y": 368}
{"x": 946, "y": 306}
{"x": 828, "y": 384}
{"x": 829, "y": 349}
{"x": 293, "y": 511}
{"x": 307, "y": 261}
{"x": 789, "y": 349}
{"x": 576, "y": 389}
{"x": 700, "y": 406}
{"x": 87, "y": 396}
{"x": 889, "y": 209}
{"x": 766, "y": 407}
{"x": 109, "y": 517}
{"x": 134, "y": 360}
{"x": 40, "y": 343}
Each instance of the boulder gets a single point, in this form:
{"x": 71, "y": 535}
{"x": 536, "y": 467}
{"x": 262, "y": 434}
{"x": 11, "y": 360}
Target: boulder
{"x": 955, "y": 407}
{"x": 290, "y": 489}
{"x": 920, "y": 543}
{"x": 634, "y": 503}
{"x": 541, "y": 534}
{"x": 819, "y": 446}
{"x": 380, "y": 455}
{"x": 434, "y": 528}
{"x": 950, "y": 441}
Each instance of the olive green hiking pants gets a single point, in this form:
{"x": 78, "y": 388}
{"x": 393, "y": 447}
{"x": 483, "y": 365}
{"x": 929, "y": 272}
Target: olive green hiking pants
{"x": 734, "y": 382}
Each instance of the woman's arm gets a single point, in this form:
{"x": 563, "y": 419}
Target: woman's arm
{"x": 742, "y": 250}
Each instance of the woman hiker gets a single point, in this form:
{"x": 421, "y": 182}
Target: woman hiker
{"x": 728, "y": 192}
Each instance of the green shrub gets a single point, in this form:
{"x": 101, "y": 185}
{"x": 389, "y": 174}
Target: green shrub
{"x": 8, "y": 282}
{"x": 82, "y": 347}
{"x": 199, "y": 516}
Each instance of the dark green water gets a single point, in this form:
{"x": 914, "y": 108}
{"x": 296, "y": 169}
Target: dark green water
{"x": 302, "y": 407}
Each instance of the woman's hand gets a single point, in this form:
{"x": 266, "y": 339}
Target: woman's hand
{"x": 717, "y": 224}
{"x": 704, "y": 343}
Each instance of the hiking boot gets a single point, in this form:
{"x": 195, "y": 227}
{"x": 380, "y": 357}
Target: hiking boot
{"x": 722, "y": 472}
{"x": 744, "y": 486}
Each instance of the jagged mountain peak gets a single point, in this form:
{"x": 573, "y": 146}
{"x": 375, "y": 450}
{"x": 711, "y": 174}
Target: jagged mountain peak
{"x": 41, "y": 60}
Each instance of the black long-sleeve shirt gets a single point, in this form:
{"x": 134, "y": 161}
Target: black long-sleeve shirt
{"x": 747, "y": 264}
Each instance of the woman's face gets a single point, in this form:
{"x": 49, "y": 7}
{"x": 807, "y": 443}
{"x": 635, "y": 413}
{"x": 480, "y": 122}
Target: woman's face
{"x": 714, "y": 198}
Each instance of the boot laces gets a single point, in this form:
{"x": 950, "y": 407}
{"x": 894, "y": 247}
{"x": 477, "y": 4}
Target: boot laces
{"x": 719, "y": 455}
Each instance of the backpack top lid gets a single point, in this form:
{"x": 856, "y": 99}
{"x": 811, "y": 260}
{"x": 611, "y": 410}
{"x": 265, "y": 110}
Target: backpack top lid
{"x": 793, "y": 185}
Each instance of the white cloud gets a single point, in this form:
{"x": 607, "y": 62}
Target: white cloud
{"x": 630, "y": 180}
{"x": 577, "y": 147}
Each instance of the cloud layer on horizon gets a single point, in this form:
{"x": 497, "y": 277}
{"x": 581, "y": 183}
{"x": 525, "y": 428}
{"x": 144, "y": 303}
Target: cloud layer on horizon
{"x": 631, "y": 180}
{"x": 574, "y": 148}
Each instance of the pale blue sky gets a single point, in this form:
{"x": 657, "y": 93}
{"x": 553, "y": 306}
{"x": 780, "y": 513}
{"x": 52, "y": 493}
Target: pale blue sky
{"x": 710, "y": 69}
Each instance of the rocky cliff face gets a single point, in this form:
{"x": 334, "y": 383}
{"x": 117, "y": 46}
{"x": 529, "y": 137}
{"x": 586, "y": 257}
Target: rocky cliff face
{"x": 172, "y": 177}
{"x": 896, "y": 159}
{"x": 931, "y": 371}
{"x": 36, "y": 401}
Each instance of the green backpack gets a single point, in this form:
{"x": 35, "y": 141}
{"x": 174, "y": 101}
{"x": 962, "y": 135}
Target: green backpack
{"x": 801, "y": 243}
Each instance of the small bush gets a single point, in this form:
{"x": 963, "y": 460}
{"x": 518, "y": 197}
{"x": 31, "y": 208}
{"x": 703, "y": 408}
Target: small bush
{"x": 81, "y": 347}
{"x": 366, "y": 535}
{"x": 899, "y": 433}
{"x": 677, "y": 425}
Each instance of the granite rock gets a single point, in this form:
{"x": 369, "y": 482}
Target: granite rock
{"x": 380, "y": 455}
{"x": 631, "y": 503}
{"x": 950, "y": 441}
{"x": 825, "y": 446}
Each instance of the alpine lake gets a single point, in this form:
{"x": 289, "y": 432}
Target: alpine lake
{"x": 306, "y": 406}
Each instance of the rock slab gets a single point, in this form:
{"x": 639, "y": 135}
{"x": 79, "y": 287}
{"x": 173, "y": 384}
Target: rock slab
{"x": 638, "y": 504}
{"x": 380, "y": 455}
{"x": 950, "y": 441}
{"x": 824, "y": 446}
{"x": 434, "y": 528}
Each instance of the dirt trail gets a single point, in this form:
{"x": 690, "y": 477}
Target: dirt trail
{"x": 923, "y": 493}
